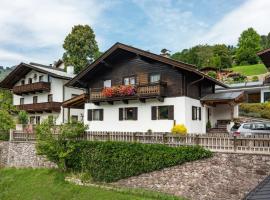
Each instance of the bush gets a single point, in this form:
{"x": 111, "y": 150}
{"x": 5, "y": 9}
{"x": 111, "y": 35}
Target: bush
{"x": 108, "y": 161}
{"x": 212, "y": 74}
{"x": 208, "y": 125}
{"x": 23, "y": 117}
{"x": 6, "y": 123}
{"x": 59, "y": 143}
{"x": 255, "y": 109}
{"x": 179, "y": 129}
{"x": 255, "y": 78}
{"x": 111, "y": 161}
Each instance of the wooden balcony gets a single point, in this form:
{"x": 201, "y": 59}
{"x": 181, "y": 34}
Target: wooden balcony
{"x": 41, "y": 107}
{"x": 32, "y": 88}
{"x": 154, "y": 90}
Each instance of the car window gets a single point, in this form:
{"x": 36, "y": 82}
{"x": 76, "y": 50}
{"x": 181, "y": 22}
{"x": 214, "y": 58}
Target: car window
{"x": 247, "y": 126}
{"x": 267, "y": 126}
{"x": 258, "y": 126}
{"x": 236, "y": 126}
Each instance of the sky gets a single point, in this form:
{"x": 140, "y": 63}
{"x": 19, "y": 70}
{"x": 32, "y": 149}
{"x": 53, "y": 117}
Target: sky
{"x": 34, "y": 30}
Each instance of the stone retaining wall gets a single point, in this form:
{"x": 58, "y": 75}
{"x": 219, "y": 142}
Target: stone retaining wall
{"x": 22, "y": 154}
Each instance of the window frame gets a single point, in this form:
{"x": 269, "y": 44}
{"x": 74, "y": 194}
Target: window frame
{"x": 22, "y": 101}
{"x": 123, "y": 116}
{"x": 129, "y": 77}
{"x": 38, "y": 119}
{"x": 23, "y": 82}
{"x": 41, "y": 78}
{"x": 90, "y": 114}
{"x": 154, "y": 74}
{"x": 107, "y": 80}
{"x": 196, "y": 113}
{"x": 30, "y": 80}
{"x": 155, "y": 112}
{"x": 35, "y": 99}
{"x": 266, "y": 94}
{"x": 50, "y": 97}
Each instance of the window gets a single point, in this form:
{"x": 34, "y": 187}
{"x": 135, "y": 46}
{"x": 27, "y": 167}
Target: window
{"x": 162, "y": 112}
{"x": 22, "y": 82}
{"x": 267, "y": 126}
{"x": 32, "y": 120}
{"x": 196, "y": 113}
{"x": 37, "y": 119}
{"x": 35, "y": 76}
{"x": 266, "y": 96}
{"x": 258, "y": 126}
{"x": 74, "y": 118}
{"x": 154, "y": 78}
{"x": 50, "y": 98}
{"x": 21, "y": 101}
{"x": 107, "y": 83}
{"x": 35, "y": 99}
{"x": 128, "y": 113}
{"x": 95, "y": 115}
{"x": 30, "y": 81}
{"x": 40, "y": 78}
{"x": 247, "y": 126}
{"x": 129, "y": 80}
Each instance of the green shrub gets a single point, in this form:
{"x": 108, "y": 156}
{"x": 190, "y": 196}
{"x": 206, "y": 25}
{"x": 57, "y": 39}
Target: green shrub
{"x": 6, "y": 123}
{"x": 59, "y": 143}
{"x": 111, "y": 161}
{"x": 22, "y": 117}
{"x": 255, "y": 109}
{"x": 212, "y": 74}
{"x": 255, "y": 78}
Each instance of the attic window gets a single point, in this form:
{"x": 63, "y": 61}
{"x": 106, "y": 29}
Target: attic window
{"x": 22, "y": 82}
{"x": 35, "y": 76}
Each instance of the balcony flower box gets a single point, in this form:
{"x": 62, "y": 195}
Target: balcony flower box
{"x": 119, "y": 91}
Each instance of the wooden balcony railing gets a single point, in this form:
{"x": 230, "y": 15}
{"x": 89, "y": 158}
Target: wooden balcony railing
{"x": 32, "y": 88}
{"x": 41, "y": 107}
{"x": 154, "y": 90}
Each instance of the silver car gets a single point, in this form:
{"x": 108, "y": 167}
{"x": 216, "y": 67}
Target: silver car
{"x": 251, "y": 128}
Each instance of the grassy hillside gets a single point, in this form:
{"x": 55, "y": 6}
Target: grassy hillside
{"x": 250, "y": 70}
{"x": 44, "y": 184}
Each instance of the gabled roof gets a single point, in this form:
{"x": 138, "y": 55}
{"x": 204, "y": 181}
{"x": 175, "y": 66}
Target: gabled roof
{"x": 22, "y": 69}
{"x": 77, "y": 81}
{"x": 265, "y": 56}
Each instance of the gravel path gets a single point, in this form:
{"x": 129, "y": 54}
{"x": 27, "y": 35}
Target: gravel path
{"x": 224, "y": 176}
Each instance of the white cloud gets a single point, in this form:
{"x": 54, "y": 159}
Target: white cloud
{"x": 169, "y": 25}
{"x": 33, "y": 24}
{"x": 253, "y": 13}
{"x": 7, "y": 56}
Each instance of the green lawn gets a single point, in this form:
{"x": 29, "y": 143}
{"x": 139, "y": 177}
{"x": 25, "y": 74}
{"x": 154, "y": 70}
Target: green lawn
{"x": 45, "y": 184}
{"x": 250, "y": 70}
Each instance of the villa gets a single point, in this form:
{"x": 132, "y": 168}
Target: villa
{"x": 40, "y": 90}
{"x": 129, "y": 89}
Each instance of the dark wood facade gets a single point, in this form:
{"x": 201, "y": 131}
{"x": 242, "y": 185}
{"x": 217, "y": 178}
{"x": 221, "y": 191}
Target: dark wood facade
{"x": 41, "y": 107}
{"x": 122, "y": 61}
{"x": 177, "y": 82}
{"x": 32, "y": 88}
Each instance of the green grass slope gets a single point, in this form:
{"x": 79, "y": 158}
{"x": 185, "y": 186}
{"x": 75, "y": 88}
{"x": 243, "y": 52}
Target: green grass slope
{"x": 44, "y": 184}
{"x": 250, "y": 70}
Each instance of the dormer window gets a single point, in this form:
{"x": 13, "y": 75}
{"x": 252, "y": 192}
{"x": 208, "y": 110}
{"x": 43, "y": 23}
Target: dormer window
{"x": 35, "y": 76}
{"x": 131, "y": 80}
{"x": 22, "y": 82}
{"x": 30, "y": 80}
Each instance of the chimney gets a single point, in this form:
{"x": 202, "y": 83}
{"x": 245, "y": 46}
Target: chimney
{"x": 70, "y": 70}
{"x": 165, "y": 53}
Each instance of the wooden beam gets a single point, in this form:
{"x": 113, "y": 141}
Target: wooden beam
{"x": 96, "y": 103}
{"x": 142, "y": 100}
{"x": 161, "y": 99}
{"x": 125, "y": 101}
{"x": 110, "y": 102}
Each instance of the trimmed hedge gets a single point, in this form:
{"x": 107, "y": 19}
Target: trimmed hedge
{"x": 255, "y": 110}
{"x": 112, "y": 161}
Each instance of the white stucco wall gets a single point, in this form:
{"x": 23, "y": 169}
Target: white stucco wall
{"x": 182, "y": 115}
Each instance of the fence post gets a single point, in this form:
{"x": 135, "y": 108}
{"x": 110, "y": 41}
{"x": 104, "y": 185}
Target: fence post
{"x": 108, "y": 136}
{"x": 11, "y": 135}
{"x": 197, "y": 139}
{"x": 234, "y": 143}
{"x": 134, "y": 139}
{"x": 27, "y": 135}
{"x": 164, "y": 138}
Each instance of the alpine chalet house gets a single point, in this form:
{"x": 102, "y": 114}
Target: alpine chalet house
{"x": 40, "y": 90}
{"x": 129, "y": 89}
